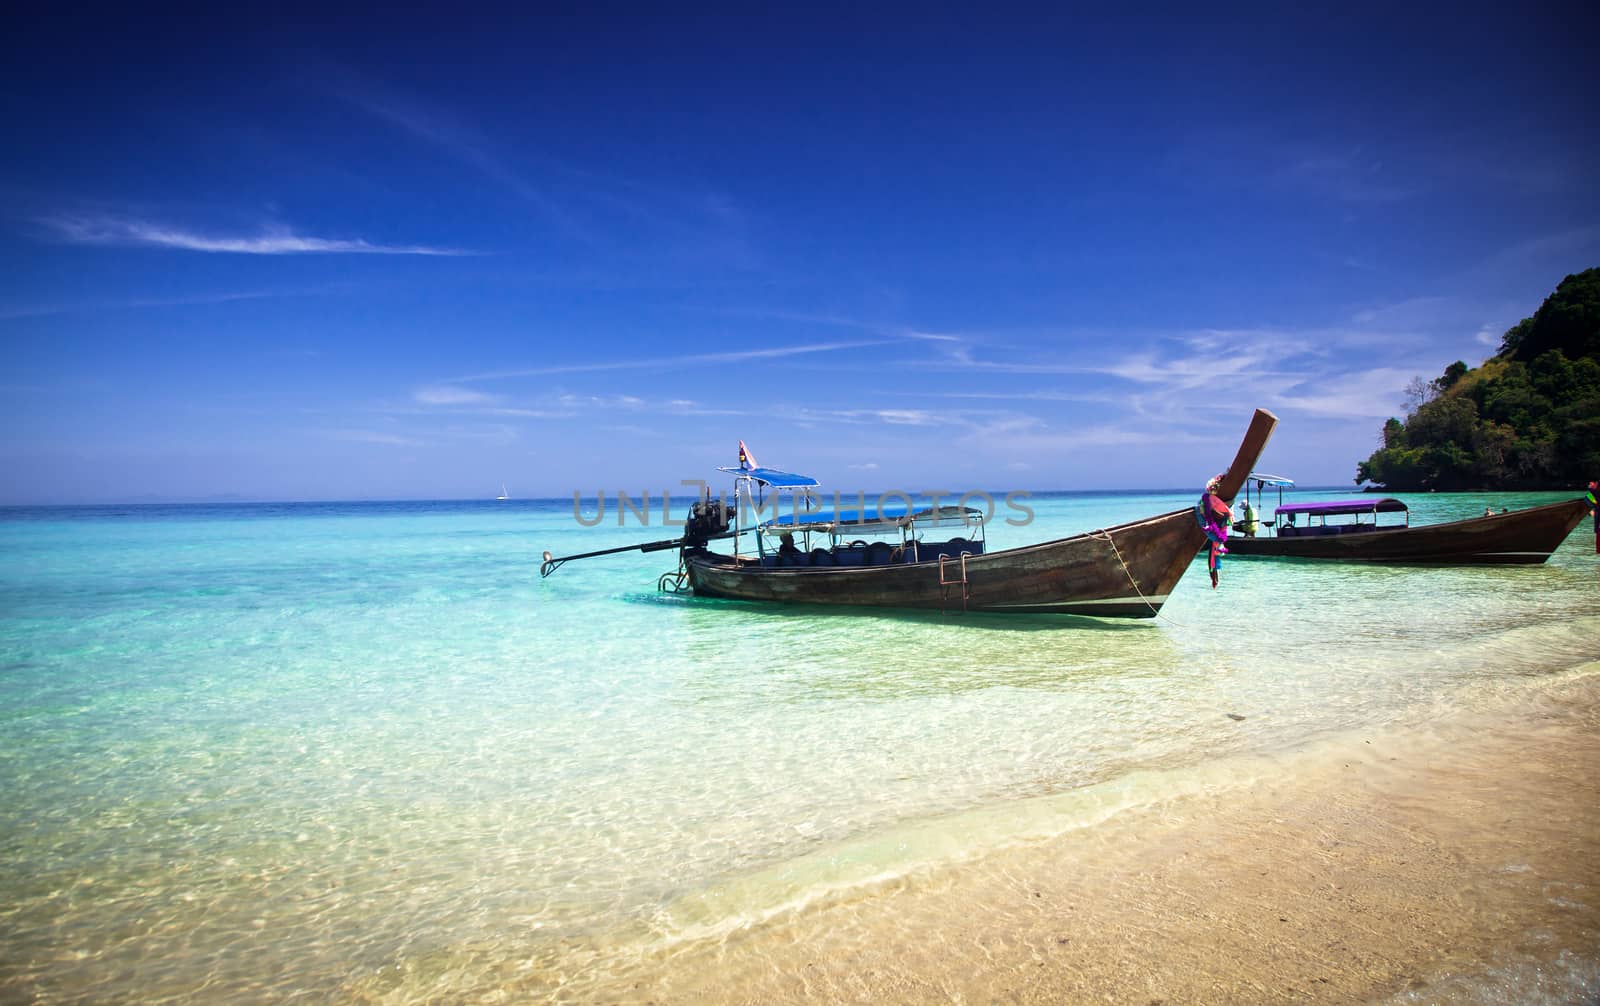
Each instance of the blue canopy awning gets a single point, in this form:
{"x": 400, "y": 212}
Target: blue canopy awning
{"x": 868, "y": 515}
{"x": 889, "y": 513}
{"x": 772, "y": 477}
{"x": 1276, "y": 481}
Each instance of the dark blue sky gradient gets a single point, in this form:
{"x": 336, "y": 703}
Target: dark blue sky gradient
{"x": 353, "y": 255}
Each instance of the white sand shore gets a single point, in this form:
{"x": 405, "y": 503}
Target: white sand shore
{"x": 1460, "y": 863}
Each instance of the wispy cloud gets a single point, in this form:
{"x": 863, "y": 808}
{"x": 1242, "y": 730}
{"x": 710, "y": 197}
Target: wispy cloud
{"x": 598, "y": 209}
{"x": 629, "y": 402}
{"x": 1353, "y": 172}
{"x": 450, "y": 395}
{"x": 197, "y": 300}
{"x": 1489, "y": 336}
{"x": 443, "y": 130}
{"x": 1188, "y": 380}
{"x": 1354, "y": 175}
{"x": 1089, "y": 398}
{"x": 1542, "y": 253}
{"x": 955, "y": 347}
{"x": 841, "y": 321}
{"x": 1030, "y": 436}
{"x": 1207, "y": 359}
{"x": 453, "y": 400}
{"x": 437, "y": 400}
{"x": 1410, "y": 313}
{"x": 1366, "y": 394}
{"x": 518, "y": 413}
{"x": 889, "y": 417}
{"x": 273, "y": 239}
{"x": 1179, "y": 363}
{"x": 653, "y": 363}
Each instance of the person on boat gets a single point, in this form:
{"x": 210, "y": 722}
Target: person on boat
{"x": 1488, "y": 511}
{"x": 1251, "y": 524}
{"x": 787, "y": 550}
{"x": 1214, "y": 517}
{"x": 1594, "y": 511}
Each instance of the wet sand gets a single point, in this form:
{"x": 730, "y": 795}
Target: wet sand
{"x": 1456, "y": 862}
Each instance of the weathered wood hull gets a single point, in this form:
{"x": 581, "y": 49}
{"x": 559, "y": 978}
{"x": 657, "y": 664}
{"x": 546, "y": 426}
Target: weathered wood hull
{"x": 1523, "y": 537}
{"x": 1127, "y": 571}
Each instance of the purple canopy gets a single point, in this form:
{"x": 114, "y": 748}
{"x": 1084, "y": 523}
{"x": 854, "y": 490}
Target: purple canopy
{"x": 1383, "y": 504}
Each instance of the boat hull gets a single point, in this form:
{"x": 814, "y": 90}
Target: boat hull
{"x": 1525, "y": 537}
{"x": 1127, "y": 571}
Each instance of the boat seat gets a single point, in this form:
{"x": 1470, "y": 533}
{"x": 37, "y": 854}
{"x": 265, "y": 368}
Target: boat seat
{"x": 846, "y": 555}
{"x": 770, "y": 561}
{"x": 821, "y": 557}
{"x": 951, "y": 549}
{"x": 879, "y": 553}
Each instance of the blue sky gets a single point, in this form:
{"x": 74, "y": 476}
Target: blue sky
{"x": 357, "y": 256}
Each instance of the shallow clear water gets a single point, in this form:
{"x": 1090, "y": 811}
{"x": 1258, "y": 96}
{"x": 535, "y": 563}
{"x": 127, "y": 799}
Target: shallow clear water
{"x": 273, "y": 752}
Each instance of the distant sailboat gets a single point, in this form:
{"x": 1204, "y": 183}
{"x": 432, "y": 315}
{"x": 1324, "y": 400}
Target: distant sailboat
{"x": 503, "y": 494}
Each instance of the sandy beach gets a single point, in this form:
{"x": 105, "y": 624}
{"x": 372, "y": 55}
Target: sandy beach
{"x": 1455, "y": 862}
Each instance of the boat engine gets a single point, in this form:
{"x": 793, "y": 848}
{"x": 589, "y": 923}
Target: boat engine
{"x": 708, "y": 518}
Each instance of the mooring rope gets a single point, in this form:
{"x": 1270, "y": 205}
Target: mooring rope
{"x": 1154, "y": 610}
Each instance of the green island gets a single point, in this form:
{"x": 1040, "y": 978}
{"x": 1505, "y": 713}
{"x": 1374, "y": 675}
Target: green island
{"x": 1528, "y": 418}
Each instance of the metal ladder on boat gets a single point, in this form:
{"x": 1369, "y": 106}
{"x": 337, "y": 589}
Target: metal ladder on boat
{"x": 674, "y": 581}
{"x": 945, "y": 584}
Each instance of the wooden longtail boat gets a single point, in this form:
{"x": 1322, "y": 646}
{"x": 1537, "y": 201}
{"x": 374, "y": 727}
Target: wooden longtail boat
{"x": 1124, "y": 571}
{"x": 1520, "y": 537}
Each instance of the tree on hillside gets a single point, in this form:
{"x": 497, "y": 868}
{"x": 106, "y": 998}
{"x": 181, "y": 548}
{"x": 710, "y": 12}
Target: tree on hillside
{"x": 1531, "y": 421}
{"x": 1568, "y": 320}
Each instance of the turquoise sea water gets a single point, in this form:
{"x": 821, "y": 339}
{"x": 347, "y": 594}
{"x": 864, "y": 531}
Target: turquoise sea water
{"x": 307, "y": 752}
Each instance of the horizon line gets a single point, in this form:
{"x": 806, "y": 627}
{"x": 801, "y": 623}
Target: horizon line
{"x": 244, "y": 500}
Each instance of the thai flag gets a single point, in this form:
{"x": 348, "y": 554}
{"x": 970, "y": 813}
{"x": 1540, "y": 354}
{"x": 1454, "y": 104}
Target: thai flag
{"x": 746, "y": 460}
